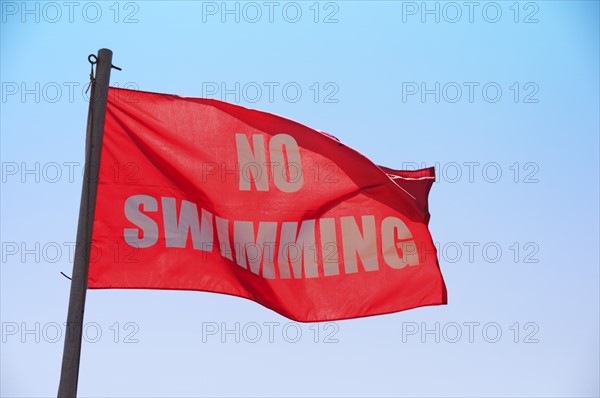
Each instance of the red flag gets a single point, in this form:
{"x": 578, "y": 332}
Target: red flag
{"x": 198, "y": 194}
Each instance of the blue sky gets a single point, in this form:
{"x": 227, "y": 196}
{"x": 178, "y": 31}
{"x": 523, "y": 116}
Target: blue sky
{"x": 515, "y": 210}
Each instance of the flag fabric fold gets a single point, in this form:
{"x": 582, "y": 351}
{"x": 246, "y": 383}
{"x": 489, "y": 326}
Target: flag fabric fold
{"x": 199, "y": 194}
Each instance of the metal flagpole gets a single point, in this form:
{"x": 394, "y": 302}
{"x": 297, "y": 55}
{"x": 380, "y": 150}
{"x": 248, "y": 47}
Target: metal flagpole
{"x": 97, "y": 111}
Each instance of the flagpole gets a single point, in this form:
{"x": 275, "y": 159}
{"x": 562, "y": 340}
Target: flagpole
{"x": 72, "y": 350}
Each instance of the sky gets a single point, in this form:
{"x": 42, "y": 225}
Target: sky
{"x": 501, "y": 97}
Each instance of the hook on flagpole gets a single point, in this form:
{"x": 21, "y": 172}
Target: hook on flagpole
{"x": 93, "y": 60}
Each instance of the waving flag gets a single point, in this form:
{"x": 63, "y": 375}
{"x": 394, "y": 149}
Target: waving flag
{"x": 198, "y": 194}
